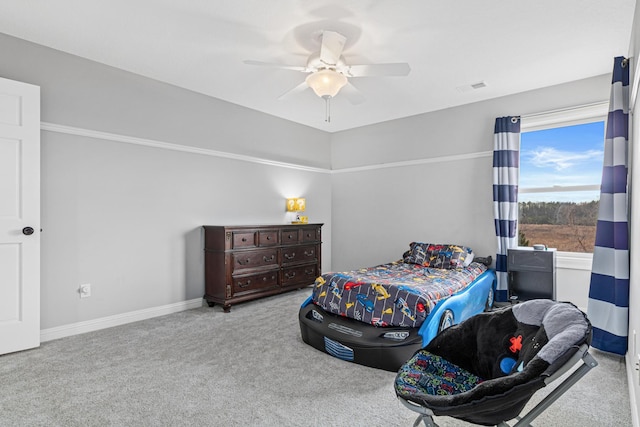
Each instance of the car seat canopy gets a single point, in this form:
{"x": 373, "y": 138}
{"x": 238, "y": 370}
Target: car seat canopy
{"x": 564, "y": 325}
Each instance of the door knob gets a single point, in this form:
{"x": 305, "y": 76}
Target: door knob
{"x": 27, "y": 231}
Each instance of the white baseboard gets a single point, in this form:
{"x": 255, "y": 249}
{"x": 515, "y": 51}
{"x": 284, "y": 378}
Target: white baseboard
{"x": 117, "y": 320}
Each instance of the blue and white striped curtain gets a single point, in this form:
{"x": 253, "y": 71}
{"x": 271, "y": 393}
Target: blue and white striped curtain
{"x": 608, "y": 306}
{"x": 506, "y": 166}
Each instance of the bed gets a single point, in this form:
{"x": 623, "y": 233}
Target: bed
{"x": 379, "y": 316}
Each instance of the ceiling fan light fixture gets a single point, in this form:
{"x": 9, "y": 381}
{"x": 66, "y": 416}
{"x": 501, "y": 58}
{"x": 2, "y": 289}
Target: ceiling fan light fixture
{"x": 326, "y": 82}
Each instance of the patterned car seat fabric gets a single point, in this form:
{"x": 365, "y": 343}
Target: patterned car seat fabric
{"x": 485, "y": 369}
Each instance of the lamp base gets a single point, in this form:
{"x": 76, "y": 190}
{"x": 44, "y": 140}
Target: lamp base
{"x": 300, "y": 220}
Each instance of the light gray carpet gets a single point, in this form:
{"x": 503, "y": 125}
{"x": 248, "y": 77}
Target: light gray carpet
{"x": 248, "y": 367}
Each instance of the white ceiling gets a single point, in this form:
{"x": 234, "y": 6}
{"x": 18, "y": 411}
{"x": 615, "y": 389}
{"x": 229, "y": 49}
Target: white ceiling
{"x": 511, "y": 45}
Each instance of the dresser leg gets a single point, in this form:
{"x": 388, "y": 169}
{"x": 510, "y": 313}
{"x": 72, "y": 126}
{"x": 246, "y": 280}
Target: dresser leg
{"x": 226, "y": 308}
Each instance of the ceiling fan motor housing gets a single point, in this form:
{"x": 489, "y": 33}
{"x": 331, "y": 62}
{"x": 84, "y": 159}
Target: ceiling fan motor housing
{"x": 314, "y": 63}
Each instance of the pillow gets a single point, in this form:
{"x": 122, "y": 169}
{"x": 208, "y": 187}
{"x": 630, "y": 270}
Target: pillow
{"x": 438, "y": 256}
{"x": 469, "y": 258}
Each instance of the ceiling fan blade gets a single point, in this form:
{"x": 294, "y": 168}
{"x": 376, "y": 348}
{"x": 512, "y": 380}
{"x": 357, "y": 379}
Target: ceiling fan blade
{"x": 300, "y": 88}
{"x": 332, "y": 46}
{"x": 394, "y": 69}
{"x": 352, "y": 94}
{"x": 275, "y": 65}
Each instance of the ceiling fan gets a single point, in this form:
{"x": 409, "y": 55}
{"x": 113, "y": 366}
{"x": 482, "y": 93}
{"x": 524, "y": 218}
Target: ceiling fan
{"x": 329, "y": 73}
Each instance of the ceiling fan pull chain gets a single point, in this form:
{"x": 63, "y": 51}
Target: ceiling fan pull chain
{"x": 327, "y": 109}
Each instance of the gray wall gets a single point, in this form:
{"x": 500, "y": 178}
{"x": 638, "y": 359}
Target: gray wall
{"x": 86, "y": 94}
{"x": 126, "y": 218}
{"x": 446, "y": 196}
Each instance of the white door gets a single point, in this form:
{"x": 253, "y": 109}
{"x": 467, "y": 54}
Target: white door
{"x": 19, "y": 216}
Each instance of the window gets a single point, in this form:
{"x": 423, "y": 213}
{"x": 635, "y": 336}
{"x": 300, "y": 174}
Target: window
{"x": 561, "y": 156}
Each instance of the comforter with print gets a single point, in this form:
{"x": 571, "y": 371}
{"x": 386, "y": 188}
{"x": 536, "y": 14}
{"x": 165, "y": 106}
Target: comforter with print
{"x": 393, "y": 294}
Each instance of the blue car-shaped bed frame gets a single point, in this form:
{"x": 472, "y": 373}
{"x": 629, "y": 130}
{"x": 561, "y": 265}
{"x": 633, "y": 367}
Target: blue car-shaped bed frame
{"x": 389, "y": 347}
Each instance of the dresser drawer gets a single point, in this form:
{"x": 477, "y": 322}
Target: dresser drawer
{"x": 243, "y": 239}
{"x": 254, "y": 259}
{"x": 268, "y": 238}
{"x": 290, "y": 236}
{"x": 260, "y": 281}
{"x": 301, "y": 275}
{"x": 299, "y": 254}
{"x": 311, "y": 235}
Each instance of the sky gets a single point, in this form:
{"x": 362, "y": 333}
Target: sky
{"x": 570, "y": 155}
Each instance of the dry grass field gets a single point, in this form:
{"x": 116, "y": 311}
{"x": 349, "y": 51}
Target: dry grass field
{"x": 570, "y": 238}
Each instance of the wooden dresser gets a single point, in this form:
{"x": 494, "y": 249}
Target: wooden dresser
{"x": 243, "y": 263}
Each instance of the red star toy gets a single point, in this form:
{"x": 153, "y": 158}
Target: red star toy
{"x": 516, "y": 344}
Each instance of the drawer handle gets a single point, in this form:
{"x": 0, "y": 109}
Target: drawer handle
{"x": 310, "y": 272}
{"x": 309, "y": 253}
{"x": 290, "y": 256}
{"x": 291, "y": 275}
{"x": 246, "y": 261}
{"x": 244, "y": 285}
{"x": 268, "y": 237}
{"x": 290, "y": 236}
{"x": 271, "y": 258}
{"x": 244, "y": 239}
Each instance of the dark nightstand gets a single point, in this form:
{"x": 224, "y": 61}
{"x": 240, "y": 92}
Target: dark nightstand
{"x": 532, "y": 273}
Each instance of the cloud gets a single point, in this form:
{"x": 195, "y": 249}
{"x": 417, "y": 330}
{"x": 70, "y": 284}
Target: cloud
{"x": 545, "y": 157}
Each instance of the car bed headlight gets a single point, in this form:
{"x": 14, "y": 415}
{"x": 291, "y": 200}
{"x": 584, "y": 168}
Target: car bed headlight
{"x": 317, "y": 316}
{"x": 396, "y": 335}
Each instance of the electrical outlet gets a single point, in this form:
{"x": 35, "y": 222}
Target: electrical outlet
{"x": 85, "y": 290}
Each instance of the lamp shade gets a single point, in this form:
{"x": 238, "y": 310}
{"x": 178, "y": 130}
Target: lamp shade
{"x": 296, "y": 204}
{"x": 326, "y": 82}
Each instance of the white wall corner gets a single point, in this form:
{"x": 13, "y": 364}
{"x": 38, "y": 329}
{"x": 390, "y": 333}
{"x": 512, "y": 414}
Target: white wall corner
{"x": 632, "y": 379}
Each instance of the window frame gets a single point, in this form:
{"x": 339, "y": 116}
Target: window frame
{"x": 588, "y": 113}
